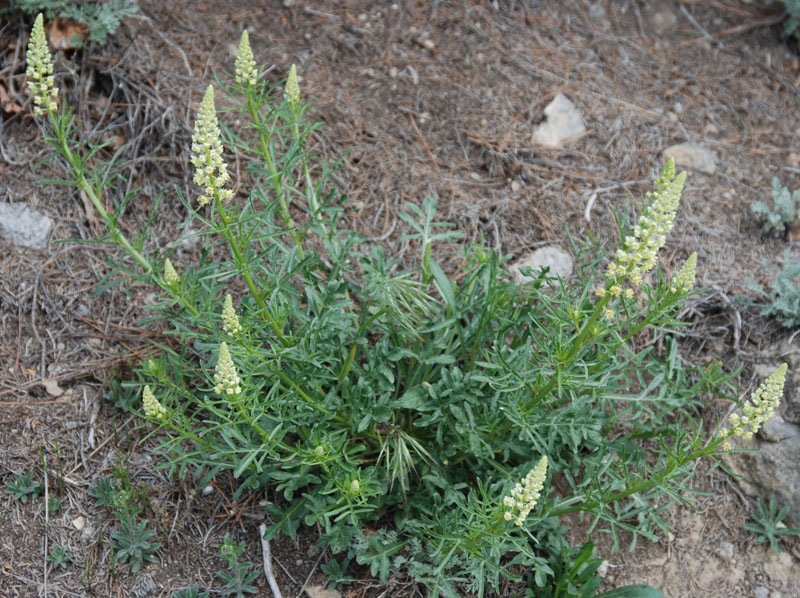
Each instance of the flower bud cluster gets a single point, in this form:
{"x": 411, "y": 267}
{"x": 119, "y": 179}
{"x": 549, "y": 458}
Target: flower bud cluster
{"x": 40, "y": 70}
{"x": 225, "y": 375}
{"x": 292, "y": 92}
{"x": 230, "y": 321}
{"x": 683, "y": 281}
{"x": 211, "y": 172}
{"x": 152, "y": 408}
{"x": 762, "y": 406}
{"x": 246, "y": 72}
{"x": 170, "y": 275}
{"x": 524, "y": 495}
{"x": 638, "y": 255}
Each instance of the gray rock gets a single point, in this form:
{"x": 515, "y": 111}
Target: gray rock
{"x": 24, "y": 226}
{"x": 772, "y": 472}
{"x": 761, "y": 592}
{"x": 563, "y": 122}
{"x": 559, "y": 261}
{"x": 692, "y": 156}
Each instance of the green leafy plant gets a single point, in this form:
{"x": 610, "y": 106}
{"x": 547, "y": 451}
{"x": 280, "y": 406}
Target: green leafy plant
{"x": 418, "y": 418}
{"x": 59, "y": 557}
{"x": 23, "y": 487}
{"x": 192, "y": 592}
{"x": 784, "y": 212}
{"x": 782, "y": 297}
{"x": 767, "y": 523}
{"x": 792, "y": 23}
{"x": 101, "y": 18}
{"x": 239, "y": 578}
{"x": 133, "y": 541}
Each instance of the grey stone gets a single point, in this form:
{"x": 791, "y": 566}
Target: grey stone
{"x": 321, "y": 592}
{"x": 559, "y": 261}
{"x": 772, "y": 472}
{"x": 563, "y": 122}
{"x": 761, "y": 592}
{"x": 23, "y": 226}
{"x": 692, "y": 156}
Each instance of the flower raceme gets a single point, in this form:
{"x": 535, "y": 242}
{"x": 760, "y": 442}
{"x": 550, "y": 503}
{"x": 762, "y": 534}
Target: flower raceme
{"x": 225, "y": 375}
{"x": 638, "y": 255}
{"x": 170, "y": 275}
{"x": 524, "y": 495}
{"x": 683, "y": 281}
{"x": 245, "y": 71}
{"x": 211, "y": 172}
{"x": 762, "y": 406}
{"x": 292, "y": 92}
{"x": 40, "y": 70}
{"x": 152, "y": 408}
{"x": 230, "y": 321}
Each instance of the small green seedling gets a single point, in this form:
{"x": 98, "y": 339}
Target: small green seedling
{"x": 23, "y": 486}
{"x": 59, "y": 557}
{"x": 767, "y": 524}
{"x": 785, "y": 210}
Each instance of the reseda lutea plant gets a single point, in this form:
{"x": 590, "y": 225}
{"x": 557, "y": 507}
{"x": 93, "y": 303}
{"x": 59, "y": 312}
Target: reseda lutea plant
{"x": 429, "y": 425}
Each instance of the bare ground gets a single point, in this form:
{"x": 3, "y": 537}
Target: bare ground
{"x": 429, "y": 98}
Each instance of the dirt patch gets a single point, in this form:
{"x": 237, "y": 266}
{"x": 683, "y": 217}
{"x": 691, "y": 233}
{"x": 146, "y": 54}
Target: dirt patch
{"x": 426, "y": 99}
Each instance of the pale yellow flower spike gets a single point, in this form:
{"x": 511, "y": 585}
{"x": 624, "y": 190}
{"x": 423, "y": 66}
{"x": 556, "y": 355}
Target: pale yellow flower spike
{"x": 292, "y": 92}
{"x": 170, "y": 276}
{"x": 230, "y": 321}
{"x": 683, "y": 282}
{"x": 211, "y": 172}
{"x": 524, "y": 495}
{"x": 225, "y": 375}
{"x": 40, "y": 70}
{"x": 152, "y": 408}
{"x": 246, "y": 72}
{"x": 638, "y": 256}
{"x": 762, "y": 405}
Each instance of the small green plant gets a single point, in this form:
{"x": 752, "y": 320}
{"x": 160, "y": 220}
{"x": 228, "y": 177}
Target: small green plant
{"x": 767, "y": 524}
{"x": 192, "y": 592}
{"x": 784, "y": 212}
{"x": 782, "y": 298}
{"x": 433, "y": 410}
{"x": 133, "y": 541}
{"x": 23, "y": 487}
{"x": 102, "y": 18}
{"x": 238, "y": 578}
{"x": 59, "y": 557}
{"x": 792, "y": 23}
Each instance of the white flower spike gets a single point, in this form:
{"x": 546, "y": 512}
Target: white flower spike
{"x": 152, "y": 408}
{"x": 524, "y": 496}
{"x": 211, "y": 172}
{"x": 292, "y": 92}
{"x": 40, "y": 70}
{"x": 230, "y": 321}
{"x": 225, "y": 375}
{"x": 246, "y": 72}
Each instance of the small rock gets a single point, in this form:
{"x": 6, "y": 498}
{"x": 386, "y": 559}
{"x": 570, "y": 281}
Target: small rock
{"x": 779, "y": 567}
{"x": 289, "y": 3}
{"x": 559, "y": 261}
{"x": 775, "y": 594}
{"x": 475, "y": 176}
{"x": 563, "y": 122}
{"x": 602, "y": 570}
{"x": 321, "y": 592}
{"x": 24, "y": 226}
{"x": 692, "y": 156}
{"x": 52, "y": 387}
{"x": 725, "y": 551}
{"x": 79, "y": 522}
{"x": 515, "y": 186}
{"x": 761, "y": 592}
{"x": 207, "y": 490}
{"x": 711, "y": 129}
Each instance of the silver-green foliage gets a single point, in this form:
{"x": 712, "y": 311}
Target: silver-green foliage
{"x": 784, "y": 294}
{"x": 102, "y": 18}
{"x": 784, "y": 212}
{"x": 792, "y": 22}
